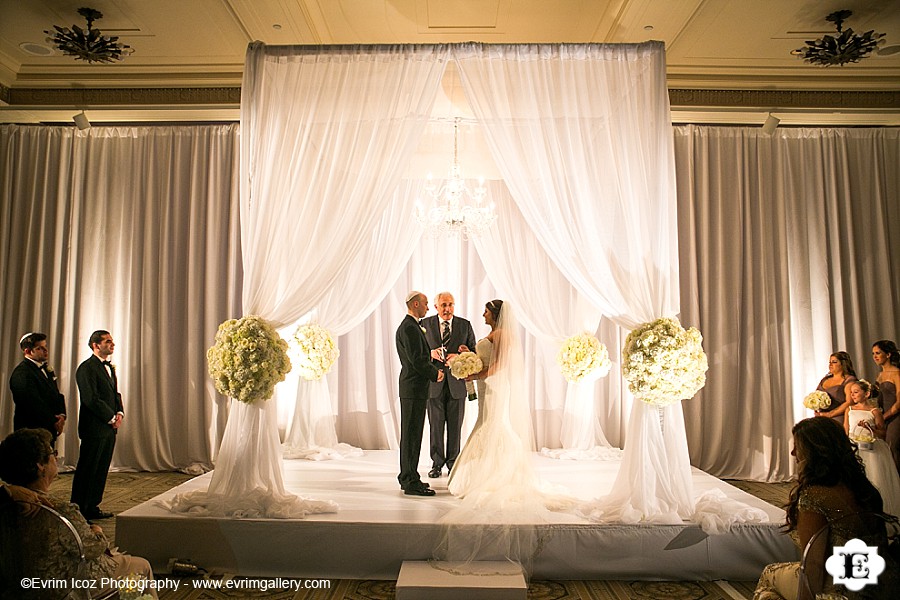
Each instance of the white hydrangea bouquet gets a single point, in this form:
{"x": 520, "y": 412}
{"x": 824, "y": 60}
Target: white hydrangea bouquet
{"x": 464, "y": 364}
{"x": 663, "y": 363}
{"x": 317, "y": 351}
{"x": 817, "y": 400}
{"x": 581, "y": 356}
{"x": 247, "y": 359}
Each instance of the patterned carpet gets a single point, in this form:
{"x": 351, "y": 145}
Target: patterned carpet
{"x": 124, "y": 490}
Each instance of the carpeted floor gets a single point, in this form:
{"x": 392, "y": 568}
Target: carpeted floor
{"x": 124, "y": 490}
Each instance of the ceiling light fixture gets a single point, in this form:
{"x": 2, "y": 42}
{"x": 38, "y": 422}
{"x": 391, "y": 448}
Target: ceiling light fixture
{"x": 771, "y": 124}
{"x": 88, "y": 44}
{"x": 81, "y": 121}
{"x": 847, "y": 47}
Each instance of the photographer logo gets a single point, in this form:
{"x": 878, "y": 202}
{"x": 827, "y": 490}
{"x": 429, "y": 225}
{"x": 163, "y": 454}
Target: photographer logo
{"x": 855, "y": 565}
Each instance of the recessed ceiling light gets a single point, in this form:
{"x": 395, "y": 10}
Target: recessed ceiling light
{"x": 36, "y": 49}
{"x": 648, "y": 27}
{"x": 888, "y": 50}
{"x": 276, "y": 27}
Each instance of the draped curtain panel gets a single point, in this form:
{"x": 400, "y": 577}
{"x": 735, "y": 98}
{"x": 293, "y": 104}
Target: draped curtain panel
{"x": 133, "y": 230}
{"x": 163, "y": 269}
{"x": 790, "y": 250}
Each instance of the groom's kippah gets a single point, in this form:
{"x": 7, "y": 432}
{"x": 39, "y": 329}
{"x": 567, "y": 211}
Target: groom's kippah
{"x": 412, "y": 295}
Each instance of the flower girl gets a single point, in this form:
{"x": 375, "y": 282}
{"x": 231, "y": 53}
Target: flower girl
{"x": 864, "y": 423}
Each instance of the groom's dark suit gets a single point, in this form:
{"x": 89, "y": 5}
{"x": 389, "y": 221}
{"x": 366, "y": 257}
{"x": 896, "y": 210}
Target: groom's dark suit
{"x": 36, "y": 397}
{"x": 447, "y": 398}
{"x": 416, "y": 370}
{"x": 100, "y": 401}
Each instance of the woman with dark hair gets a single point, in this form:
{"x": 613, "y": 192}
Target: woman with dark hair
{"x": 837, "y": 385}
{"x": 831, "y": 485}
{"x": 887, "y": 356}
{"x": 27, "y": 459}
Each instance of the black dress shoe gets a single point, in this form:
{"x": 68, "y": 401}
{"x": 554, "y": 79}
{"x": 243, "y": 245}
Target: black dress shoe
{"x": 434, "y": 473}
{"x": 418, "y": 490}
{"x": 100, "y": 514}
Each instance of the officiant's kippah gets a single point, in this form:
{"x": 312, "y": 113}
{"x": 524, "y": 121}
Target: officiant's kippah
{"x": 412, "y": 295}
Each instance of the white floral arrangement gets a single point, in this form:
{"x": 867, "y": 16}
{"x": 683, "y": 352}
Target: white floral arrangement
{"x": 247, "y": 359}
{"x": 464, "y": 364}
{"x": 663, "y": 363}
{"x": 317, "y": 351}
{"x": 581, "y": 356}
{"x": 817, "y": 400}
{"x": 132, "y": 587}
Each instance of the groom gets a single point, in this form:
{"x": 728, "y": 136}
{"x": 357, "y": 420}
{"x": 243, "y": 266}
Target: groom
{"x": 447, "y": 399}
{"x": 416, "y": 370}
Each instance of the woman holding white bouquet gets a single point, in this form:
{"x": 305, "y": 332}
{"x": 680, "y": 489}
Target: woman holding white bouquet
{"x": 837, "y": 385}
{"x": 864, "y": 424}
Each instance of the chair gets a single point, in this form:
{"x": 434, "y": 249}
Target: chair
{"x": 24, "y": 540}
{"x": 875, "y": 529}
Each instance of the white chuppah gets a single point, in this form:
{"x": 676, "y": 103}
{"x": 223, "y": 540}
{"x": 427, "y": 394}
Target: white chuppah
{"x": 586, "y": 155}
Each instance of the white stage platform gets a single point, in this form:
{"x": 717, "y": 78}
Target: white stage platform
{"x": 378, "y": 527}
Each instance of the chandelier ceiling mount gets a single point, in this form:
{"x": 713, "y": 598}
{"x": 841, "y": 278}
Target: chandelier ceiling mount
{"x": 847, "y": 47}
{"x": 89, "y": 44}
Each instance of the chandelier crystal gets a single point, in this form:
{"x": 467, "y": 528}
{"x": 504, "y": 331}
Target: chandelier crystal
{"x": 88, "y": 44}
{"x": 847, "y": 47}
{"x": 456, "y": 208}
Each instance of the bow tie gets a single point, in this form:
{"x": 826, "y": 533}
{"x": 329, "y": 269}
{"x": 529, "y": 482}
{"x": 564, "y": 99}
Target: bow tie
{"x": 107, "y": 363}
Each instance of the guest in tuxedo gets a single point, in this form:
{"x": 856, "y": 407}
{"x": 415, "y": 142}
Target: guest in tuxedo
{"x": 34, "y": 390}
{"x": 446, "y": 333}
{"x": 99, "y": 419}
{"x": 416, "y": 370}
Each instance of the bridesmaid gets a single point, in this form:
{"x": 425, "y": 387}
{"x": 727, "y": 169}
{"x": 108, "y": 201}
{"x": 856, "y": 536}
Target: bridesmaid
{"x": 887, "y": 356}
{"x": 837, "y": 385}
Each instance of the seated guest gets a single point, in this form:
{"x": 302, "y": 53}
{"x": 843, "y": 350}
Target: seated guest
{"x": 27, "y": 459}
{"x": 831, "y": 484}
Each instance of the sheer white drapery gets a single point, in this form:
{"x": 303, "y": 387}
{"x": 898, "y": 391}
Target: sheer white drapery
{"x": 322, "y": 128}
{"x": 588, "y": 157}
{"x": 350, "y": 300}
{"x": 550, "y": 308}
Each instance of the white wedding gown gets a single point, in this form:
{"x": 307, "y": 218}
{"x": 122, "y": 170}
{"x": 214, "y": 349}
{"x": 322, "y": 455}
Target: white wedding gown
{"x": 495, "y": 462}
{"x": 880, "y": 467}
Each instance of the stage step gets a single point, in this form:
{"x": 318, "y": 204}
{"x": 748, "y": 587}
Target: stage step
{"x": 481, "y": 580}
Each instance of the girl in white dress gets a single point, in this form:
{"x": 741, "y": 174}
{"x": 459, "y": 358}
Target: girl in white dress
{"x": 864, "y": 422}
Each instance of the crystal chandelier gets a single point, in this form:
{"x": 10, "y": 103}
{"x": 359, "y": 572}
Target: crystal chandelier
{"x": 456, "y": 209}
{"x": 88, "y": 44}
{"x": 847, "y": 47}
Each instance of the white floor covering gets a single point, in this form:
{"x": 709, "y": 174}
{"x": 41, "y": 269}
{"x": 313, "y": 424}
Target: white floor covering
{"x": 378, "y": 527}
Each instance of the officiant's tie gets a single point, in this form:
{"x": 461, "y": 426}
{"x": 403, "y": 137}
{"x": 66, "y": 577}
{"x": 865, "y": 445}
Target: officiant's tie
{"x": 445, "y": 334}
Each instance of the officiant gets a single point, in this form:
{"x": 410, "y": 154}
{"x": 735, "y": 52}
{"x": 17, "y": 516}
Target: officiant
{"x": 446, "y": 399}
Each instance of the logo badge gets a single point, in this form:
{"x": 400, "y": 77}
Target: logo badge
{"x": 855, "y": 565}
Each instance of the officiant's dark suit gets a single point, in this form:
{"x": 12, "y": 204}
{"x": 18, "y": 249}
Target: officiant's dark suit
{"x": 446, "y": 399}
{"x": 36, "y": 396}
{"x": 416, "y": 370}
{"x": 99, "y": 417}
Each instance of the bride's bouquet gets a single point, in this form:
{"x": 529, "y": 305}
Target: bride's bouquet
{"x": 663, "y": 362}
{"x": 464, "y": 364}
{"x": 817, "y": 400}
{"x": 317, "y": 351}
{"x": 581, "y": 356}
{"x": 247, "y": 359}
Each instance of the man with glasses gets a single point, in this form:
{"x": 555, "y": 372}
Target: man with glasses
{"x": 34, "y": 389}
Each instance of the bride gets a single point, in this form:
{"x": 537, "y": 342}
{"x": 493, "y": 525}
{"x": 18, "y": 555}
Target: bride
{"x": 501, "y": 499}
{"x": 496, "y": 457}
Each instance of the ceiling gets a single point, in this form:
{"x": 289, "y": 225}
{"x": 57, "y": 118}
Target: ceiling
{"x": 728, "y": 61}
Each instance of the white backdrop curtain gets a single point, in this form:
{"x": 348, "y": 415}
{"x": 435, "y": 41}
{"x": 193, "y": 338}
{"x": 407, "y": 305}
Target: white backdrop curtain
{"x": 133, "y": 230}
{"x": 169, "y": 212}
{"x": 327, "y": 133}
{"x": 588, "y": 157}
{"x": 790, "y": 250}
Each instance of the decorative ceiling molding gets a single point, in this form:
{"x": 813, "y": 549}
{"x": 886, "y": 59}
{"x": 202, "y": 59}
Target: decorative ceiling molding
{"x": 224, "y": 96}
{"x": 782, "y": 99}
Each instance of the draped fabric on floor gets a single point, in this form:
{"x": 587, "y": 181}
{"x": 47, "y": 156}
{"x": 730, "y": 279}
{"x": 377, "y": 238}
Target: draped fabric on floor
{"x": 786, "y": 254}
